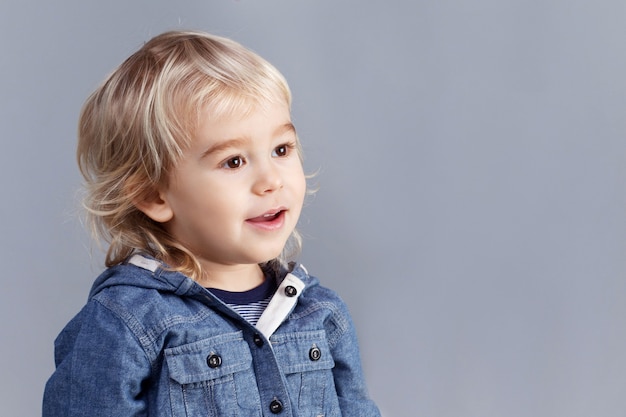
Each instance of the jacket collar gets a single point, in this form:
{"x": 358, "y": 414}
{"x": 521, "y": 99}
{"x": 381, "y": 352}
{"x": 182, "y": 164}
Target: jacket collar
{"x": 143, "y": 271}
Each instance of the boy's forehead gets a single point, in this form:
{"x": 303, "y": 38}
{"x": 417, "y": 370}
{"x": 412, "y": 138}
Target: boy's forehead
{"x": 272, "y": 118}
{"x": 233, "y": 114}
{"x": 239, "y": 106}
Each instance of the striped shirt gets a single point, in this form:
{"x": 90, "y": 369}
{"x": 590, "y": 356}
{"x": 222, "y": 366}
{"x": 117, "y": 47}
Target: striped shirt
{"x": 249, "y": 304}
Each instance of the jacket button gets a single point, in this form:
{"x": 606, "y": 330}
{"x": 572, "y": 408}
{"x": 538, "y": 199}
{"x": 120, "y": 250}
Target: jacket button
{"x": 214, "y": 360}
{"x": 276, "y": 406}
{"x": 315, "y": 353}
{"x": 258, "y": 340}
{"x": 290, "y": 291}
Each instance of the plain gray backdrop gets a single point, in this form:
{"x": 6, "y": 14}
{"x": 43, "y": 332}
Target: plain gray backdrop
{"x": 472, "y": 202}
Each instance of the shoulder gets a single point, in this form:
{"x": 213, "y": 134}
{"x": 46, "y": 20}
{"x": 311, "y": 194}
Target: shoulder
{"x": 129, "y": 290}
{"x": 321, "y": 307}
{"x": 148, "y": 303}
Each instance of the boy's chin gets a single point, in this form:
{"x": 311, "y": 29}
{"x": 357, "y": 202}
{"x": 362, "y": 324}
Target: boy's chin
{"x": 272, "y": 256}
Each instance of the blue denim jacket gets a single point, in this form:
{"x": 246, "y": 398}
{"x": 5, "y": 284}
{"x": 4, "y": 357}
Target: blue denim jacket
{"x": 153, "y": 342}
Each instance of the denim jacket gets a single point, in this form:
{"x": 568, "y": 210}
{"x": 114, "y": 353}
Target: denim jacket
{"x": 154, "y": 342}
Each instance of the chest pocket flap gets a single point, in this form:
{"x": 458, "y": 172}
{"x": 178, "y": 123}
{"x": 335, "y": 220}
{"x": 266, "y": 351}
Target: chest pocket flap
{"x": 302, "y": 351}
{"x": 208, "y": 359}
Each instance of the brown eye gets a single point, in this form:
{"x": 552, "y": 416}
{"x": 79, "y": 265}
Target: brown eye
{"x": 282, "y": 150}
{"x": 233, "y": 163}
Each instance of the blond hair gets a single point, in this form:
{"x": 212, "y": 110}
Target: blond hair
{"x": 135, "y": 126}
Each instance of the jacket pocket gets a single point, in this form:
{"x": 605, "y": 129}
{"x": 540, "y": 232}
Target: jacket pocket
{"x": 307, "y": 363}
{"x": 213, "y": 377}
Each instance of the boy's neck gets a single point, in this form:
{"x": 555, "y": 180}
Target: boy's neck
{"x": 235, "y": 278}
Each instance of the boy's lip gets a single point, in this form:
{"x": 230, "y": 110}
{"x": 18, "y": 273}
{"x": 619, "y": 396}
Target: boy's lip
{"x": 268, "y": 216}
{"x": 269, "y": 221}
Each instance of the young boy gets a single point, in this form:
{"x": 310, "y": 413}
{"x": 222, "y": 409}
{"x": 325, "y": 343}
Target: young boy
{"x": 194, "y": 176}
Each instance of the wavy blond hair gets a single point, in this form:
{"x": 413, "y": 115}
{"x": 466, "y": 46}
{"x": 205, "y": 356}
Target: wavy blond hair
{"x": 134, "y": 127}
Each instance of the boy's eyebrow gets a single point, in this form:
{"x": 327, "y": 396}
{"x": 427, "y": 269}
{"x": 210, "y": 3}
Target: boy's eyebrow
{"x": 287, "y": 127}
{"x": 236, "y": 142}
{"x": 226, "y": 144}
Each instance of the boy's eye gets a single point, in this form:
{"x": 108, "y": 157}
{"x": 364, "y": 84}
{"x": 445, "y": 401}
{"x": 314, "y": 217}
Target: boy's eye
{"x": 282, "y": 150}
{"x": 234, "y": 162}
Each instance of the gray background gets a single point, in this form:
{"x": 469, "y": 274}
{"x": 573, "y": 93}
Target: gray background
{"x": 472, "y": 186}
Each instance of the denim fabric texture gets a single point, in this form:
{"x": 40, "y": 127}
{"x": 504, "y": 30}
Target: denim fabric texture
{"x": 156, "y": 343}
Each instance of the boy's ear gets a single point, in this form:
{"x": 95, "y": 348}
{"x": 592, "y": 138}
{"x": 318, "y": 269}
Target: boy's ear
{"x": 155, "y": 206}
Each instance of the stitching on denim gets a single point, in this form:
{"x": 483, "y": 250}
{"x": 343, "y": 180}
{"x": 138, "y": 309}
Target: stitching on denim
{"x": 160, "y": 327}
{"x": 131, "y": 323}
{"x": 336, "y": 317}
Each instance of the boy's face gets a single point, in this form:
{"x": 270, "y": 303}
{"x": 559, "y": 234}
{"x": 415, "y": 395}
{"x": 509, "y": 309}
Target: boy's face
{"x": 236, "y": 195}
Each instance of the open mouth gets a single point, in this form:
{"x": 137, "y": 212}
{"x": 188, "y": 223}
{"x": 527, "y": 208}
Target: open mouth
{"x": 268, "y": 217}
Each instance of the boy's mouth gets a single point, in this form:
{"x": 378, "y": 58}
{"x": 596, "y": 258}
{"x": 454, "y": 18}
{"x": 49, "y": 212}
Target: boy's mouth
{"x": 268, "y": 217}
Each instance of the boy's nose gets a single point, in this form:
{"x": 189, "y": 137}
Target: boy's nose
{"x": 268, "y": 179}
